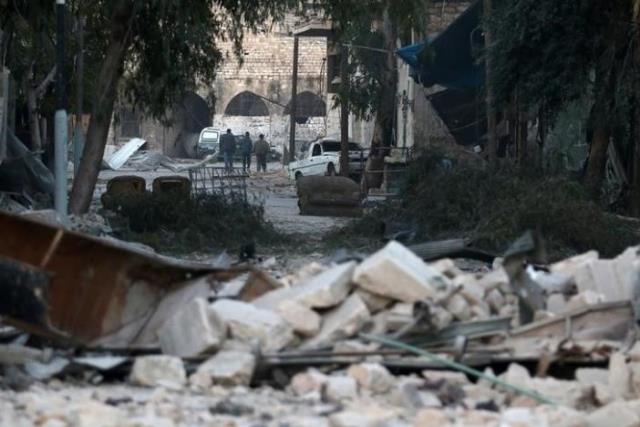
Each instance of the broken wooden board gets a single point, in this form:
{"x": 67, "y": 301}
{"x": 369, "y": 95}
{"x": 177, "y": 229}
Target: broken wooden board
{"x": 97, "y": 288}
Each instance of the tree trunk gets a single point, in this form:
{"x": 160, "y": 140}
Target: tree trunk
{"x": 595, "y": 171}
{"x": 384, "y": 118}
{"x": 104, "y": 100}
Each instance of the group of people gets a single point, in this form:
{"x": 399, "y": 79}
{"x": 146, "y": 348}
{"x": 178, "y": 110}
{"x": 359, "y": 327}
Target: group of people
{"x": 228, "y": 147}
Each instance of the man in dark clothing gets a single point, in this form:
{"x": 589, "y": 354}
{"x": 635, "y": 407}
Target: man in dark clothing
{"x": 262, "y": 150}
{"x": 246, "y": 147}
{"x": 228, "y": 148}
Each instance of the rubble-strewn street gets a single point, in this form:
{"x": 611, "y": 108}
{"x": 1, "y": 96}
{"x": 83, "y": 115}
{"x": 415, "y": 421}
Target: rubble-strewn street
{"x": 332, "y": 213}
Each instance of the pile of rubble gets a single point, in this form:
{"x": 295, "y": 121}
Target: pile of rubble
{"x": 364, "y": 344}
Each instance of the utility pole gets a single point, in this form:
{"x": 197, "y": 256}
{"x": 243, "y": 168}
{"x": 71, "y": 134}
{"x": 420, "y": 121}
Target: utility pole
{"x": 294, "y": 101}
{"x": 60, "y": 165}
{"x": 344, "y": 112}
{"x": 492, "y": 139}
{"x": 78, "y": 140}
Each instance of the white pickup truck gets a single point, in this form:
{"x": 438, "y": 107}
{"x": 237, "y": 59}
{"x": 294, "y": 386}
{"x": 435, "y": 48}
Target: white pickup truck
{"x": 321, "y": 153}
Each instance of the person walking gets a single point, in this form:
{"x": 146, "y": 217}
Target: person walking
{"x": 262, "y": 150}
{"x": 246, "y": 148}
{"x": 228, "y": 148}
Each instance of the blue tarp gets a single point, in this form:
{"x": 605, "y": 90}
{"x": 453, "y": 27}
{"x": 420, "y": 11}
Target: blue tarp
{"x": 450, "y": 60}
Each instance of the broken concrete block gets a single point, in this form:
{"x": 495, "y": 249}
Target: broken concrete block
{"x": 341, "y": 322}
{"x": 516, "y": 375}
{"x": 247, "y": 323}
{"x": 619, "y": 376}
{"x": 372, "y": 377}
{"x": 447, "y": 267}
{"x": 375, "y": 303}
{"x": 571, "y": 394}
{"x": 407, "y": 394}
{"x": 303, "y": 320}
{"x": 194, "y": 330}
{"x": 397, "y": 273}
{"x": 584, "y": 299}
{"x": 592, "y": 376}
{"x": 618, "y": 414}
{"x": 325, "y": 290}
{"x": 634, "y": 368}
{"x": 440, "y": 317}
{"x": 227, "y": 368}
{"x": 496, "y": 300}
{"x": 471, "y": 290}
{"x": 459, "y": 308}
{"x": 159, "y": 371}
{"x": 560, "y": 416}
{"x": 362, "y": 417}
{"x": 634, "y": 353}
{"x": 432, "y": 418}
{"x": 340, "y": 388}
{"x": 496, "y": 279}
{"x": 569, "y": 265}
{"x": 480, "y": 312}
{"x": 94, "y": 414}
{"x": 305, "y": 383}
{"x": 556, "y": 303}
{"x": 399, "y": 316}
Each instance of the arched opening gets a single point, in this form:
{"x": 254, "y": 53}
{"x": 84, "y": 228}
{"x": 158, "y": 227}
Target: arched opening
{"x": 308, "y": 105}
{"x": 246, "y": 104}
{"x": 197, "y": 115}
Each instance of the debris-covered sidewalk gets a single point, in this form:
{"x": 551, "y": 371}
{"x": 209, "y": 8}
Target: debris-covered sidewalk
{"x": 122, "y": 337}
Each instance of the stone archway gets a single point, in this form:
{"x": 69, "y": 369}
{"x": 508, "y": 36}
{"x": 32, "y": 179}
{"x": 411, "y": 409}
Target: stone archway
{"x": 308, "y": 105}
{"x": 246, "y": 104}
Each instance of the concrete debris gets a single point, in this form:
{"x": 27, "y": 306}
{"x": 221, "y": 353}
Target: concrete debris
{"x": 227, "y": 368}
{"x": 325, "y": 290}
{"x": 303, "y": 320}
{"x": 159, "y": 371}
{"x": 398, "y": 273}
{"x": 249, "y": 323}
{"x": 340, "y": 323}
{"x": 310, "y": 382}
{"x": 194, "y": 330}
{"x": 230, "y": 346}
{"x": 339, "y": 389}
{"x": 372, "y": 377}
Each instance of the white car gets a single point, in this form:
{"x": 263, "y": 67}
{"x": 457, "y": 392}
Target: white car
{"x": 324, "y": 152}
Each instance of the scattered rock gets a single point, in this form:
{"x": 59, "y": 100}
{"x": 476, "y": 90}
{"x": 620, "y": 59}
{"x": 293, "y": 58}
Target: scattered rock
{"x": 194, "y": 330}
{"x": 325, "y": 290}
{"x": 459, "y": 308}
{"x": 340, "y": 323}
{"x": 362, "y": 417}
{"x": 396, "y": 272}
{"x": 303, "y": 320}
{"x": 94, "y": 414}
{"x": 584, "y": 299}
{"x": 496, "y": 300}
{"x": 340, "y": 388}
{"x": 159, "y": 371}
{"x": 619, "y": 376}
{"x": 227, "y": 368}
{"x": 618, "y": 414}
{"x": 311, "y": 381}
{"x": 592, "y": 376}
{"x": 248, "y": 323}
{"x": 432, "y": 418}
{"x": 372, "y": 377}
{"x": 375, "y": 303}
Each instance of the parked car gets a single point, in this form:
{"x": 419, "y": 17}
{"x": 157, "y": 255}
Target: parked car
{"x": 208, "y": 143}
{"x": 320, "y": 154}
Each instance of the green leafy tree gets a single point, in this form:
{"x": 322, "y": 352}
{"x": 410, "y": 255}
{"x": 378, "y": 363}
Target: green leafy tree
{"x": 554, "y": 52}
